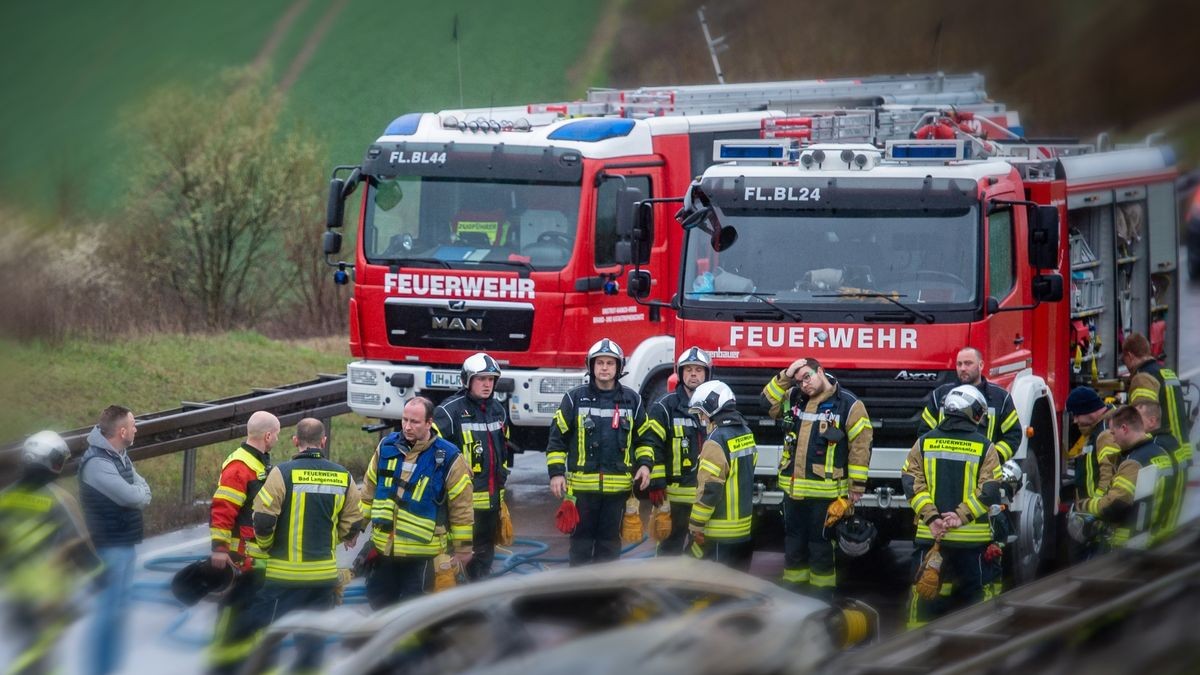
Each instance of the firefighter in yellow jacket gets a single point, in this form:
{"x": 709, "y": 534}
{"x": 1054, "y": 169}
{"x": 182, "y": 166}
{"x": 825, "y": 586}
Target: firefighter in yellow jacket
{"x": 722, "y": 512}
{"x": 419, "y": 498}
{"x": 951, "y": 479}
{"x": 1094, "y": 456}
{"x": 305, "y": 508}
{"x": 1144, "y": 368}
{"x": 827, "y": 449}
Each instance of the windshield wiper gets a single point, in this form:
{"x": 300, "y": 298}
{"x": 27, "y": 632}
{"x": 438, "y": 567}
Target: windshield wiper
{"x": 404, "y": 261}
{"x": 924, "y": 316}
{"x": 764, "y": 297}
{"x": 513, "y": 263}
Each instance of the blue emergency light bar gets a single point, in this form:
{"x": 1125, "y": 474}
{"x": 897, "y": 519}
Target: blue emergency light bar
{"x": 752, "y": 150}
{"x": 593, "y": 130}
{"x": 404, "y": 125}
{"x": 927, "y": 150}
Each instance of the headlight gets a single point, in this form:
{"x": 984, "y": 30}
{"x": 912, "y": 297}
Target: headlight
{"x": 559, "y": 385}
{"x": 363, "y": 376}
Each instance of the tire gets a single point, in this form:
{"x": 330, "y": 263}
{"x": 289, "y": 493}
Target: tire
{"x": 1030, "y": 525}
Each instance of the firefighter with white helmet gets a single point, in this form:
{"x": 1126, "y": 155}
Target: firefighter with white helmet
{"x": 478, "y": 424}
{"x": 674, "y": 434}
{"x": 722, "y": 512}
{"x": 595, "y": 456}
{"x": 45, "y": 553}
{"x": 951, "y": 478}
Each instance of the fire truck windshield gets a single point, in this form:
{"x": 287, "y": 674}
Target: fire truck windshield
{"x": 470, "y": 223}
{"x": 815, "y": 258}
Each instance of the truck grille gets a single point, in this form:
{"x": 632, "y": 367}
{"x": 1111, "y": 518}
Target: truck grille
{"x": 458, "y": 324}
{"x": 893, "y": 404}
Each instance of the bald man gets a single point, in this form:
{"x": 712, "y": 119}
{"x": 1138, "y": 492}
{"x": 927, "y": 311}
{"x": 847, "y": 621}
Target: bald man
{"x": 232, "y": 532}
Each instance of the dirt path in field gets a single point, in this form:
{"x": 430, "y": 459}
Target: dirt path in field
{"x": 596, "y": 51}
{"x": 278, "y": 32}
{"x": 300, "y": 61}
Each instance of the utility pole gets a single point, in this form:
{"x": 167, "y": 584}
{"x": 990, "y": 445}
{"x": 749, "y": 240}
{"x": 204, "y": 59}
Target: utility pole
{"x": 714, "y": 46}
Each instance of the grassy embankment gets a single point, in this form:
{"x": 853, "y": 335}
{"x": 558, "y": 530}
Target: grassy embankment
{"x": 65, "y": 386}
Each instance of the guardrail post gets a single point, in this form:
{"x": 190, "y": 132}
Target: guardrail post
{"x": 189, "y": 477}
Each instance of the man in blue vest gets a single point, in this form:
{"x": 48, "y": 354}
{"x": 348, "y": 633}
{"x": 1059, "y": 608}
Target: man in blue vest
{"x": 417, "y": 493}
{"x": 113, "y": 496}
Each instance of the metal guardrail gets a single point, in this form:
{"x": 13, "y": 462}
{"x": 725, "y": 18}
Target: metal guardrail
{"x": 1128, "y": 611}
{"x": 197, "y": 424}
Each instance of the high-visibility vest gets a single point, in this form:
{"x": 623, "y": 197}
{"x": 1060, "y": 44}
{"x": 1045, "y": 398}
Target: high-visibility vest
{"x": 306, "y": 535}
{"x": 951, "y": 462}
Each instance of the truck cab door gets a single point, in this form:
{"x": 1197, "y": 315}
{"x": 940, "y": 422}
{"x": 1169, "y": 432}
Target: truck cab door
{"x": 1006, "y": 280}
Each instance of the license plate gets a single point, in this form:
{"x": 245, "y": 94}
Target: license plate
{"x": 441, "y": 379}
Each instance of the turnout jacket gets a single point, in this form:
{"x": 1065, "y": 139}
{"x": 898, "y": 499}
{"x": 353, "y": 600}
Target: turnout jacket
{"x": 416, "y": 494}
{"x": 1133, "y": 511}
{"x": 724, "y": 493}
{"x": 953, "y": 468}
{"x": 1095, "y": 456}
{"x": 1160, "y": 385}
{"x": 675, "y": 436}
{"x": 480, "y": 430}
{"x": 594, "y": 439}
{"x": 230, "y": 521}
{"x": 828, "y": 445}
{"x": 1002, "y": 426}
{"x": 305, "y": 507}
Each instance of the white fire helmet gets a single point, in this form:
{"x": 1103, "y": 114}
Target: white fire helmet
{"x": 711, "y": 398}
{"x": 694, "y": 356}
{"x": 45, "y": 449}
{"x": 478, "y": 364}
{"x": 965, "y": 401}
{"x": 606, "y": 347}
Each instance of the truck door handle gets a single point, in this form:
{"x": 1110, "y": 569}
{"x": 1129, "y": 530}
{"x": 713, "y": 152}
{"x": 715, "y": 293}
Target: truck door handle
{"x": 1018, "y": 341}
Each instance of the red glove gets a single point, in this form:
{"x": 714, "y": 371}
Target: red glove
{"x": 658, "y": 496}
{"x": 567, "y": 517}
{"x": 992, "y": 553}
{"x": 698, "y": 537}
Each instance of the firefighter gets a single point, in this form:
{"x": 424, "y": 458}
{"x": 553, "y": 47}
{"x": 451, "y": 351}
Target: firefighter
{"x": 419, "y": 497}
{"x": 1135, "y": 354}
{"x": 723, "y": 505}
{"x": 951, "y": 478}
{"x": 1136, "y": 513}
{"x": 593, "y": 448}
{"x": 1095, "y": 455}
{"x": 45, "y": 554}
{"x": 1152, "y": 419}
{"x": 477, "y": 423}
{"x": 231, "y": 530}
{"x": 823, "y": 467}
{"x": 675, "y": 436}
{"x": 304, "y": 508}
{"x": 1002, "y": 426}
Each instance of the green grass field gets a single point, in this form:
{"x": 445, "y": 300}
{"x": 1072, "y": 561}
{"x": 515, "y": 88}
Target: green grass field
{"x": 66, "y": 386}
{"x": 72, "y": 70}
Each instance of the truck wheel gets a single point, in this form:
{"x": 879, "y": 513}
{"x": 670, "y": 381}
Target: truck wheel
{"x": 1030, "y": 525}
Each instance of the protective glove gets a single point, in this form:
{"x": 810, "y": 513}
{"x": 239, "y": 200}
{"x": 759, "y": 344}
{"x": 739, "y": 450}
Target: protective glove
{"x": 343, "y": 580}
{"x": 365, "y": 561}
{"x": 660, "y": 522}
{"x": 658, "y": 496}
{"x": 567, "y": 516}
{"x": 505, "y": 536}
{"x": 992, "y": 553}
{"x": 445, "y": 572}
{"x": 631, "y": 524}
{"x": 929, "y": 576}
{"x": 838, "y": 509}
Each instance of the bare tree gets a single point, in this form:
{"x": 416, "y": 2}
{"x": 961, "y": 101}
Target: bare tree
{"x": 219, "y": 192}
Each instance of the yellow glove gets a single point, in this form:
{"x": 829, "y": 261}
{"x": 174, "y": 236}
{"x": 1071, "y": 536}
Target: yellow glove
{"x": 631, "y": 524}
{"x": 505, "y": 536}
{"x": 660, "y": 522}
{"x": 838, "y": 509}
{"x": 343, "y": 580}
{"x": 929, "y": 578}
{"x": 445, "y": 572}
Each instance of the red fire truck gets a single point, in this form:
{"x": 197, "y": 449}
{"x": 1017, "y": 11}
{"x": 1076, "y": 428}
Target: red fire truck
{"x": 504, "y": 230}
{"x": 883, "y": 258}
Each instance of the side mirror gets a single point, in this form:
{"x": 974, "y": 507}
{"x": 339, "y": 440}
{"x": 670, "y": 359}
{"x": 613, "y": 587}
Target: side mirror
{"x": 627, "y": 199}
{"x": 637, "y": 285}
{"x": 643, "y": 232}
{"x": 335, "y": 207}
{"x": 332, "y": 242}
{"x": 1043, "y": 237}
{"x": 1047, "y": 287}
{"x": 993, "y": 305}
{"x": 723, "y": 238}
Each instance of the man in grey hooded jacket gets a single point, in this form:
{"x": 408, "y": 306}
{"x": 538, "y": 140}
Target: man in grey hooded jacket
{"x": 113, "y": 496}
